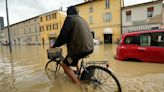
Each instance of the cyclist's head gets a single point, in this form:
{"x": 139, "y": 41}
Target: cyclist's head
{"x": 72, "y": 10}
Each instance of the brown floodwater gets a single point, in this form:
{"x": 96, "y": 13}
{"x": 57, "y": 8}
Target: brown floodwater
{"x": 23, "y": 71}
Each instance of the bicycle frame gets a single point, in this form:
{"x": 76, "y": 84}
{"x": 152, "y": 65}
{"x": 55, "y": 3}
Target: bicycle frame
{"x": 88, "y": 72}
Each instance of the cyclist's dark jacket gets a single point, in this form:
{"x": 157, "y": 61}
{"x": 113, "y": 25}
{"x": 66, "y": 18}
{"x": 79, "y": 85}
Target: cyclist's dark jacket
{"x": 75, "y": 33}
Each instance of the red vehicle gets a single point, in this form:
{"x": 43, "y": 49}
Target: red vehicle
{"x": 147, "y": 46}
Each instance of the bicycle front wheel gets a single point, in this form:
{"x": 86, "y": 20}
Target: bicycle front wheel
{"x": 53, "y": 70}
{"x": 102, "y": 79}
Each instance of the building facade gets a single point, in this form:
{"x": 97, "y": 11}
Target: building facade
{"x": 1, "y": 22}
{"x": 50, "y": 25}
{"x": 24, "y": 33}
{"x": 37, "y": 30}
{"x": 143, "y": 16}
{"x": 2, "y": 35}
{"x": 103, "y": 17}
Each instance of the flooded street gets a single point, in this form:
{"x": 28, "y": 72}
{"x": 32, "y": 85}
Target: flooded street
{"x": 23, "y": 71}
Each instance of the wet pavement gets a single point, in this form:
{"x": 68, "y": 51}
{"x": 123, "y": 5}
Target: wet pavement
{"x": 23, "y": 71}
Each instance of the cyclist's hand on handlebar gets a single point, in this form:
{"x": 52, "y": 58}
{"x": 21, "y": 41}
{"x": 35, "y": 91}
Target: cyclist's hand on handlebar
{"x": 51, "y": 46}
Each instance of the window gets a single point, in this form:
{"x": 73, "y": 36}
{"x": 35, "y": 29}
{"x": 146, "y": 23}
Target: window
{"x": 157, "y": 39}
{"x": 128, "y": 18}
{"x": 48, "y": 27}
{"x": 145, "y": 40}
{"x": 128, "y": 15}
{"x": 55, "y": 26}
{"x": 107, "y": 17}
{"x": 41, "y": 19}
{"x": 150, "y": 12}
{"x": 91, "y": 7}
{"x": 48, "y": 17}
{"x": 30, "y": 38}
{"x": 41, "y": 28}
{"x": 161, "y": 38}
{"x": 131, "y": 40}
{"x": 30, "y": 30}
{"x": 90, "y": 19}
{"x": 107, "y": 4}
{"x": 54, "y": 15}
{"x": 153, "y": 39}
{"x": 35, "y": 20}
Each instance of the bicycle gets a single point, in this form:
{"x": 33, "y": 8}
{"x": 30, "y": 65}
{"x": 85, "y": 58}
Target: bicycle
{"x": 94, "y": 73}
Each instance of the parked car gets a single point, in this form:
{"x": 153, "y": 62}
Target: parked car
{"x": 147, "y": 46}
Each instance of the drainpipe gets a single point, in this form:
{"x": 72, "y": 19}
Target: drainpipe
{"x": 121, "y": 5}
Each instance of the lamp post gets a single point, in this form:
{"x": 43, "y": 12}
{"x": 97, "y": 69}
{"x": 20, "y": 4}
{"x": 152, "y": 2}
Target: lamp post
{"x": 8, "y": 26}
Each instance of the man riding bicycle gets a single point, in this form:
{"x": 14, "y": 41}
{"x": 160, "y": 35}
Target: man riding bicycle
{"x": 76, "y": 34}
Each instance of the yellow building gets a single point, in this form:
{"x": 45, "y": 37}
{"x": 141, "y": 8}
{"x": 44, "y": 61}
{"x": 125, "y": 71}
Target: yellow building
{"x": 103, "y": 17}
{"x": 50, "y": 25}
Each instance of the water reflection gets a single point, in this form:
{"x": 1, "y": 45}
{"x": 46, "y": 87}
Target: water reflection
{"x": 23, "y": 71}
{"x": 7, "y": 78}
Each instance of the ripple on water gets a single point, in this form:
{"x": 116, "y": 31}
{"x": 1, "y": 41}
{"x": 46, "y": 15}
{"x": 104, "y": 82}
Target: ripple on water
{"x": 146, "y": 83}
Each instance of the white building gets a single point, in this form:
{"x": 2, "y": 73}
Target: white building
{"x": 26, "y": 32}
{"x": 142, "y": 16}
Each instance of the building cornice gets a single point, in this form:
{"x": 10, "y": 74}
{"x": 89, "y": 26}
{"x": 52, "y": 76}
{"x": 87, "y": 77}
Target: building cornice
{"x": 35, "y": 17}
{"x": 86, "y": 2}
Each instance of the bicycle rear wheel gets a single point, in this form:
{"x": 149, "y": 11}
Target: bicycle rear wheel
{"x": 102, "y": 79}
{"x": 53, "y": 70}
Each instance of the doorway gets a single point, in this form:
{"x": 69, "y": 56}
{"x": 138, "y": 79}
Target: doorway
{"x": 93, "y": 34}
{"x": 107, "y": 38}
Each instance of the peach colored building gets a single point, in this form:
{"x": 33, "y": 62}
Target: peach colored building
{"x": 103, "y": 17}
